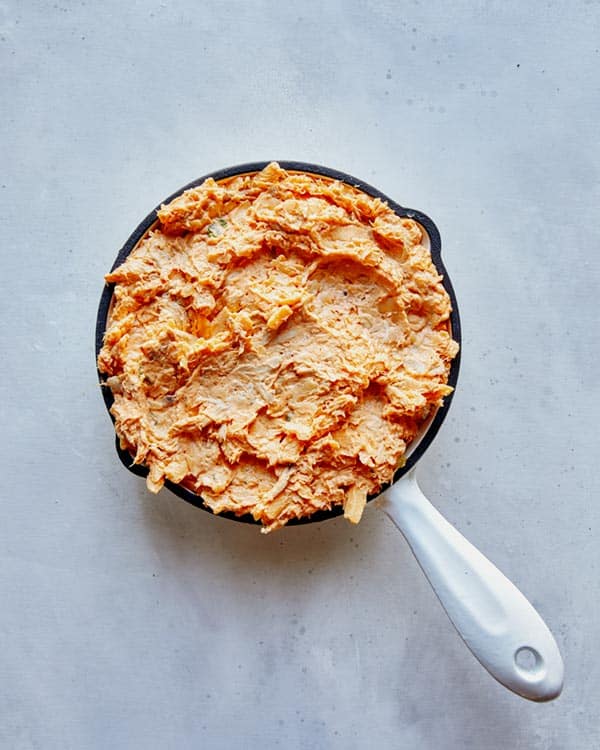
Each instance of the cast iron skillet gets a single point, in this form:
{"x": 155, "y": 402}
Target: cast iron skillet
{"x": 497, "y": 623}
{"x": 419, "y": 446}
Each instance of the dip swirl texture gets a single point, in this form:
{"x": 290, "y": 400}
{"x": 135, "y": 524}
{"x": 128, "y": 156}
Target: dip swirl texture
{"x": 275, "y": 343}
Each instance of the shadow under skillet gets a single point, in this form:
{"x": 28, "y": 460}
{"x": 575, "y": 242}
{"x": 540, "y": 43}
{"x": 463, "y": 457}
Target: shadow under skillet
{"x": 205, "y": 541}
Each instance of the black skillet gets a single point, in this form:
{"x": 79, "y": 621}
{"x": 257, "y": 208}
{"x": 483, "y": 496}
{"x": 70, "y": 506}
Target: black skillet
{"x": 497, "y": 623}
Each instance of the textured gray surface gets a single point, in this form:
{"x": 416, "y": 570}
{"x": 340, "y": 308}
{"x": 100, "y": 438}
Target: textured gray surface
{"x": 133, "y": 621}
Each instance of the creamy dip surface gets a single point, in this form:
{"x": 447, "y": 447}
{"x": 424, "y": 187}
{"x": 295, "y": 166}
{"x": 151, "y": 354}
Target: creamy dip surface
{"x": 275, "y": 343}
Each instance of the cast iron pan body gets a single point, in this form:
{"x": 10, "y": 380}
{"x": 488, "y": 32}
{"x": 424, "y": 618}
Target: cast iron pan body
{"x": 222, "y": 174}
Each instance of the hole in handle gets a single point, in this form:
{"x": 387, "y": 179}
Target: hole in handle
{"x": 529, "y": 661}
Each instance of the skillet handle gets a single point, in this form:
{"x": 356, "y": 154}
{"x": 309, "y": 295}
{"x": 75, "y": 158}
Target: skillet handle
{"x": 492, "y": 616}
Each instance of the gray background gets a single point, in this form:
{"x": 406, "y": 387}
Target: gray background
{"x": 134, "y": 621}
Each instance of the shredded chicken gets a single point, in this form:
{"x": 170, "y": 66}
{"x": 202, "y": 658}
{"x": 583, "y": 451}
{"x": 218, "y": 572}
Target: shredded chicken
{"x": 275, "y": 343}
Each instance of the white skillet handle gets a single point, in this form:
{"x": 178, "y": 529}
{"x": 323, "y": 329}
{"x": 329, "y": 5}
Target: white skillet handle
{"x": 492, "y": 616}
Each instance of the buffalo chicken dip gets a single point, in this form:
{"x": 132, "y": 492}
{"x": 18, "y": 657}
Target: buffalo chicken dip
{"x": 275, "y": 343}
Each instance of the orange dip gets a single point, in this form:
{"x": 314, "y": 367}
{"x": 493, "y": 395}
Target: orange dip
{"x": 275, "y": 343}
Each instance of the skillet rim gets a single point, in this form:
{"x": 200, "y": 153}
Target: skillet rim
{"x": 295, "y": 166}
